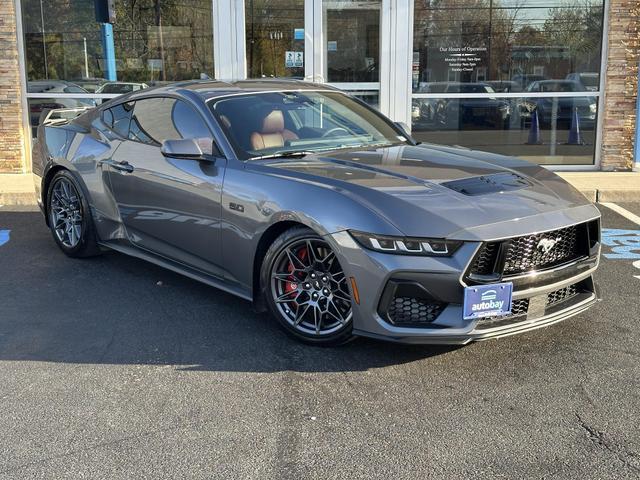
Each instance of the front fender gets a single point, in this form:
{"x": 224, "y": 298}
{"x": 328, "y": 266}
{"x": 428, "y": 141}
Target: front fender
{"x": 253, "y": 201}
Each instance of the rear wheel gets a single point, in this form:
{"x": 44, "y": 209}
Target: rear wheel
{"x": 306, "y": 288}
{"x": 70, "y": 218}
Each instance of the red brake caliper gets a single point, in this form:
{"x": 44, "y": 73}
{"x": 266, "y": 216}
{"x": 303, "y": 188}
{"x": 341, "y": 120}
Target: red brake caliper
{"x": 291, "y": 286}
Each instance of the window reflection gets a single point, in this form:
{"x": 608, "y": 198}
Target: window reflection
{"x": 155, "y": 41}
{"x": 549, "y": 130}
{"x": 275, "y": 38}
{"x": 542, "y": 50}
{"x": 509, "y": 43}
{"x": 352, "y": 33}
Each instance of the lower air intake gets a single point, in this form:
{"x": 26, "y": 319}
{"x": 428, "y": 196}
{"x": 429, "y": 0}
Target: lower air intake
{"x": 408, "y": 311}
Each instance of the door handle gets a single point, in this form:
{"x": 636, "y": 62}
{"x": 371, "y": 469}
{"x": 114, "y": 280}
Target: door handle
{"x": 122, "y": 166}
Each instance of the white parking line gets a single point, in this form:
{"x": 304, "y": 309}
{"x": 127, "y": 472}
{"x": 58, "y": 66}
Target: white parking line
{"x": 622, "y": 211}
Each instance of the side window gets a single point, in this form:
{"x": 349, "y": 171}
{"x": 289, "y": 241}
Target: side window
{"x": 158, "y": 119}
{"x": 107, "y": 117}
{"x": 118, "y": 118}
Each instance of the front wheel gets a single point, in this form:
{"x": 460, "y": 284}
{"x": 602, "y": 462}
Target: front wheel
{"x": 70, "y": 217}
{"x": 306, "y": 288}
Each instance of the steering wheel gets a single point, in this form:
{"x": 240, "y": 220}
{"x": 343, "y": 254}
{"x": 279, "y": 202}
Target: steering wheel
{"x": 335, "y": 130}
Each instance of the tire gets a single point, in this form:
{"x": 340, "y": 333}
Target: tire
{"x": 307, "y": 293}
{"x": 69, "y": 217}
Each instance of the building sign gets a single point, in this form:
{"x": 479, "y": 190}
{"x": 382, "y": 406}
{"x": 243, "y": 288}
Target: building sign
{"x": 293, "y": 59}
{"x": 462, "y": 59}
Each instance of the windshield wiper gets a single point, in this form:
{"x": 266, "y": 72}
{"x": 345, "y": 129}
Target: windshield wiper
{"x": 285, "y": 154}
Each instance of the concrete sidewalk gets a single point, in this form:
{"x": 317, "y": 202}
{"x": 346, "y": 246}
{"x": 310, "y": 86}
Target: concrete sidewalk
{"x": 606, "y": 186}
{"x": 17, "y": 189}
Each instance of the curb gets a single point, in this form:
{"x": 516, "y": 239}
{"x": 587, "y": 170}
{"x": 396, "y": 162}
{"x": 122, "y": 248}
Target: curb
{"x": 626, "y": 195}
{"x": 18, "y": 198}
{"x": 591, "y": 194}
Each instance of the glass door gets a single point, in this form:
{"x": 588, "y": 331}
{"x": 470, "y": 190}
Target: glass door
{"x": 351, "y": 34}
{"x": 275, "y": 38}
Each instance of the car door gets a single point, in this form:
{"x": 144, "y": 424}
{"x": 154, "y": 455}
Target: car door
{"x": 169, "y": 206}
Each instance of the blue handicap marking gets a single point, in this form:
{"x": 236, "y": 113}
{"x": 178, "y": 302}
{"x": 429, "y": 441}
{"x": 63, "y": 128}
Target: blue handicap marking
{"x": 625, "y": 244}
{"x": 4, "y": 237}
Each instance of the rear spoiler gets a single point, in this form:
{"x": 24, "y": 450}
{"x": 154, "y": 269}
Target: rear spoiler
{"x": 61, "y": 116}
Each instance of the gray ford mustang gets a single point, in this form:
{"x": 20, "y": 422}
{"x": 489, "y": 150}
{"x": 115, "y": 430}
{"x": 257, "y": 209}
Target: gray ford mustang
{"x": 316, "y": 207}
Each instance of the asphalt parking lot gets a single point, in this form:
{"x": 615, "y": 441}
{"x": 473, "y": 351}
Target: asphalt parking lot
{"x": 114, "y": 368}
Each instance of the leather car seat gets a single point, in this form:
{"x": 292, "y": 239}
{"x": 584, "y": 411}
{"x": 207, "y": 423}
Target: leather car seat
{"x": 273, "y": 134}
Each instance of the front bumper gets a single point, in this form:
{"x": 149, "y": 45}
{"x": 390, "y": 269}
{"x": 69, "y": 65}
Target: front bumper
{"x": 442, "y": 279}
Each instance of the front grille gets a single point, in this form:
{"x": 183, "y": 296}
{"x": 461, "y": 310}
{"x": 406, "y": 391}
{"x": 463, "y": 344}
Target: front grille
{"x": 485, "y": 262}
{"x": 531, "y": 252}
{"x": 519, "y": 308}
{"x": 405, "y": 311}
{"x": 562, "y": 295}
{"x": 525, "y": 253}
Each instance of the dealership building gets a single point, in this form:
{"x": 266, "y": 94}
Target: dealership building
{"x": 551, "y": 81}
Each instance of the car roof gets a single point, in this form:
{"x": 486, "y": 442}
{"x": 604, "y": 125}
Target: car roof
{"x": 218, "y": 88}
{"x": 45, "y": 86}
{"x": 562, "y": 81}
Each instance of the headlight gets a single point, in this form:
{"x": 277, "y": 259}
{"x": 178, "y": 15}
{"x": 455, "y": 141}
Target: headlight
{"x": 429, "y": 247}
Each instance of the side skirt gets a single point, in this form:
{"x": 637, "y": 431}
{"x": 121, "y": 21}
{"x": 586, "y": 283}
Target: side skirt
{"x": 176, "y": 267}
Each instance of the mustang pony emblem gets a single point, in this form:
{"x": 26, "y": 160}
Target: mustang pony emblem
{"x": 546, "y": 244}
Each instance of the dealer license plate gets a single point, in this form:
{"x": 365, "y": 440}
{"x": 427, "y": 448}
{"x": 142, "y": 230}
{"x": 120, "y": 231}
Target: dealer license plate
{"x": 492, "y": 300}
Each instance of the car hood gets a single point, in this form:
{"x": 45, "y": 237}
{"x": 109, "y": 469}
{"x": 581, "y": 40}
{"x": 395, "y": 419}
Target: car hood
{"x": 444, "y": 192}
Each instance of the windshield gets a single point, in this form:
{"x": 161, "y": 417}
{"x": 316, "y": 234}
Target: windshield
{"x": 286, "y": 123}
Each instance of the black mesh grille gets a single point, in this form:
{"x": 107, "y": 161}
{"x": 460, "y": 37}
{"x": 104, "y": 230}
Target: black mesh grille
{"x": 533, "y": 252}
{"x": 528, "y": 253}
{"x": 404, "y": 311}
{"x": 562, "y": 294}
{"x": 485, "y": 261}
{"x": 518, "y": 309}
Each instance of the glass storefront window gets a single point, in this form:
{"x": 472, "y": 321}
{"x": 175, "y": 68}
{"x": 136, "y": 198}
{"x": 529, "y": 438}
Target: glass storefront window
{"x": 352, "y": 34}
{"x": 53, "y": 89}
{"x": 511, "y": 77}
{"x": 155, "y": 41}
{"x": 509, "y": 43}
{"x": 275, "y": 38}
{"x": 372, "y": 97}
{"x": 548, "y": 130}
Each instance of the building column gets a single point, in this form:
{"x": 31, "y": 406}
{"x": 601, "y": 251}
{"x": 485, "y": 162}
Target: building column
{"x": 229, "y": 40}
{"x": 396, "y": 42}
{"x": 12, "y": 132}
{"x": 623, "y": 45}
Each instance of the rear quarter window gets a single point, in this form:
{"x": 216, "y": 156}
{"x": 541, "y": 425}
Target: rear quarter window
{"x": 118, "y": 118}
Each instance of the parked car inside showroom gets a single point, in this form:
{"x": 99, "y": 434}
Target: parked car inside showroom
{"x": 38, "y": 106}
{"x": 316, "y": 207}
{"x": 454, "y": 113}
{"x": 563, "y": 108}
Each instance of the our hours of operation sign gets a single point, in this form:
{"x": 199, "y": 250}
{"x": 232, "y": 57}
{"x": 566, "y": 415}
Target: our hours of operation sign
{"x": 463, "y": 59}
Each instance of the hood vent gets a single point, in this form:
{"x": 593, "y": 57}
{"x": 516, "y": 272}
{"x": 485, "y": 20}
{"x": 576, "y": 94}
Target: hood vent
{"x": 484, "y": 184}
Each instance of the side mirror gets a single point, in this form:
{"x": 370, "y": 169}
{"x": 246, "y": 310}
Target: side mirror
{"x": 186, "y": 148}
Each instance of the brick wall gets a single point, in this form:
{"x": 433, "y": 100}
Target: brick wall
{"x": 621, "y": 85}
{"x": 11, "y": 128}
